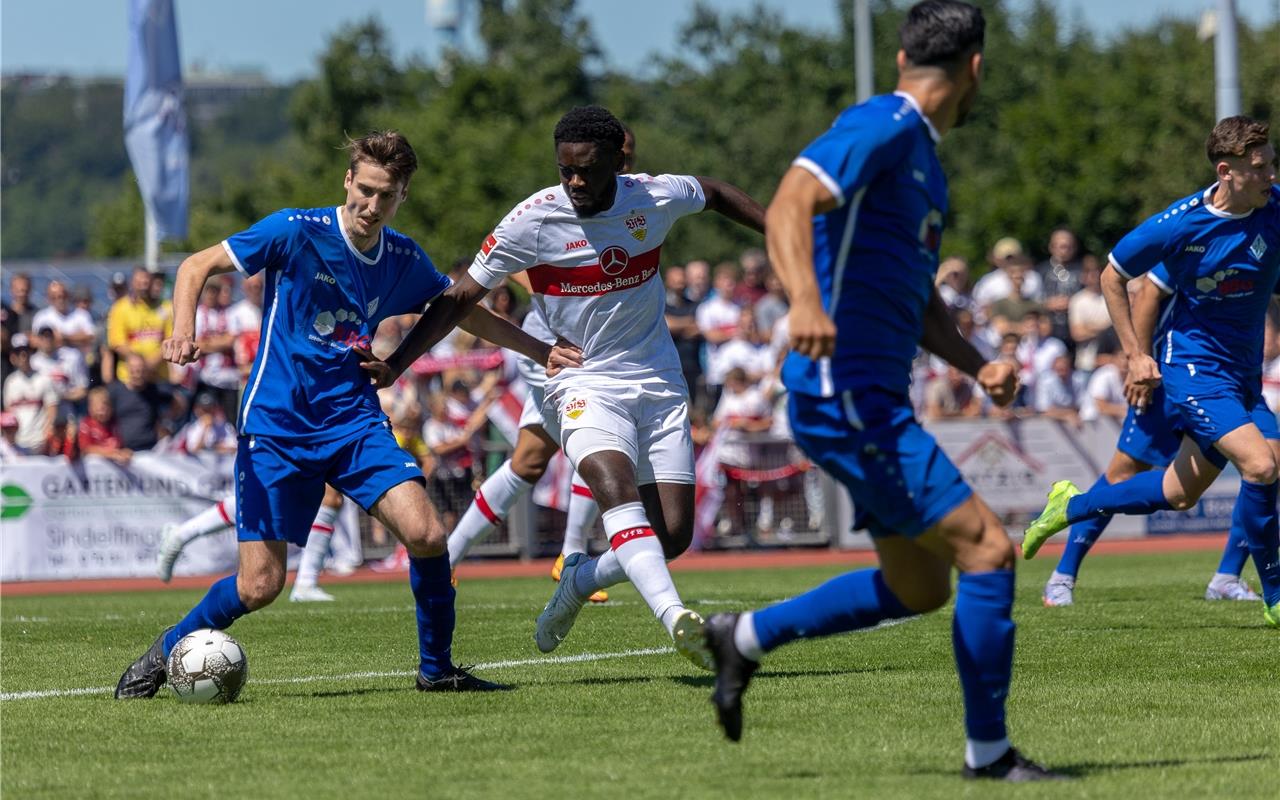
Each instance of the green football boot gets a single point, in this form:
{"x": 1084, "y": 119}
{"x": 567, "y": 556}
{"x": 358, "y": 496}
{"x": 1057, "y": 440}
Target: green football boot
{"x": 1051, "y": 520}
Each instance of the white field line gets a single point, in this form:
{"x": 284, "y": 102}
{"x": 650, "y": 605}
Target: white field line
{"x": 349, "y": 676}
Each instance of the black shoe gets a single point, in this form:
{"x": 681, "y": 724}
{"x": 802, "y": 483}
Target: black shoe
{"x": 145, "y": 676}
{"x": 1014, "y": 768}
{"x": 458, "y": 679}
{"x": 733, "y": 673}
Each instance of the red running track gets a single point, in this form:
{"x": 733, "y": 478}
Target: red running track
{"x": 693, "y": 562}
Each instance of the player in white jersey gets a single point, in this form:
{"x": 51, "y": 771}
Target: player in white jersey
{"x": 591, "y": 248}
{"x": 533, "y": 452}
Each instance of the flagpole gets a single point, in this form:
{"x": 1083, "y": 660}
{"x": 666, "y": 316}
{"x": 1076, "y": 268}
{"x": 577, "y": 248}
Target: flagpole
{"x": 151, "y": 255}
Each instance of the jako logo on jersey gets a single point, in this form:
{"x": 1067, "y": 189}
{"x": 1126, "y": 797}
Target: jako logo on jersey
{"x": 636, "y": 225}
{"x": 1193, "y": 248}
{"x": 490, "y": 242}
{"x": 614, "y": 260}
{"x": 329, "y": 279}
{"x": 576, "y": 245}
{"x": 575, "y": 408}
{"x": 1224, "y": 284}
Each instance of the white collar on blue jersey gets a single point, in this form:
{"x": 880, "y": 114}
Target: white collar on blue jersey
{"x": 1217, "y": 212}
{"x": 337, "y": 212}
{"x": 911, "y": 101}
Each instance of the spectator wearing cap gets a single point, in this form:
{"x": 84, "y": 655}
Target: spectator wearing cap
{"x": 995, "y": 284}
{"x": 216, "y": 372}
{"x": 1060, "y": 276}
{"x": 99, "y": 435}
{"x": 136, "y": 325}
{"x": 65, "y": 368}
{"x": 1087, "y": 315}
{"x": 209, "y": 431}
{"x": 680, "y": 311}
{"x": 73, "y": 326}
{"x": 141, "y": 405}
{"x": 9, "y": 447}
{"x": 30, "y": 396}
{"x": 952, "y": 281}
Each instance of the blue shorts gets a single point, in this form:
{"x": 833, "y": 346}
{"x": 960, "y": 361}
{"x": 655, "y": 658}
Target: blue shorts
{"x": 1152, "y": 435}
{"x": 900, "y": 480}
{"x": 280, "y": 482}
{"x": 1208, "y": 407}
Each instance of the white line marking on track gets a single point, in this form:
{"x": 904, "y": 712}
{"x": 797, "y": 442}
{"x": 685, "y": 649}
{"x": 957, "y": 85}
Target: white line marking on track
{"x": 348, "y": 676}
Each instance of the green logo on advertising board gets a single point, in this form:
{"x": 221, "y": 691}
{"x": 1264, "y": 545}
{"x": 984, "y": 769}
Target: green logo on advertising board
{"x": 14, "y": 502}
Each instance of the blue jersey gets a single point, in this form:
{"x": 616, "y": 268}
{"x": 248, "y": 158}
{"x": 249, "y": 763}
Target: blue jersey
{"x": 876, "y": 253}
{"x": 1223, "y": 269}
{"x": 322, "y": 298}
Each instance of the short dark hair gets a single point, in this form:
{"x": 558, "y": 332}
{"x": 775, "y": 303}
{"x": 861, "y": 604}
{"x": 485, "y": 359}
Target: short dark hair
{"x": 939, "y": 33}
{"x": 592, "y": 124}
{"x": 1234, "y": 136}
{"x": 387, "y": 149}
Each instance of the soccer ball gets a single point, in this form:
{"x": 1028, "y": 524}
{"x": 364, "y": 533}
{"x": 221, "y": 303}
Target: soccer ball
{"x": 207, "y": 666}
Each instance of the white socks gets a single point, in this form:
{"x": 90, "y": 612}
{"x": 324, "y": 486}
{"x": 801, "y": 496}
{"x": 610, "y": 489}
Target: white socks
{"x": 979, "y": 754}
{"x": 745, "y": 639}
{"x": 214, "y": 519}
{"x": 582, "y": 515}
{"x": 493, "y": 501}
{"x": 639, "y": 552}
{"x": 317, "y": 549}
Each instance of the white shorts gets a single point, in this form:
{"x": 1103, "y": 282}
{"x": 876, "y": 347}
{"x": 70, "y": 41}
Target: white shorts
{"x": 531, "y": 414}
{"x": 649, "y": 423}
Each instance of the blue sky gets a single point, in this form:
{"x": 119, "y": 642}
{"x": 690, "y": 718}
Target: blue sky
{"x": 87, "y": 37}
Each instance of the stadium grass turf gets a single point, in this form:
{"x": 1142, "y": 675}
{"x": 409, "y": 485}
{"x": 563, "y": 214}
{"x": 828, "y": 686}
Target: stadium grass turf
{"x": 1140, "y": 690}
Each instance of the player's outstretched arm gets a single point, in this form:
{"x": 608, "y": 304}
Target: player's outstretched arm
{"x": 942, "y": 338}
{"x": 180, "y": 347}
{"x": 730, "y": 201}
{"x": 789, "y": 238}
{"x": 484, "y": 324}
{"x": 442, "y": 315}
{"x": 1143, "y": 370}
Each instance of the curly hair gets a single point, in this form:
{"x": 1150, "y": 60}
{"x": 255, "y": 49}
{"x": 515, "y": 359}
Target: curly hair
{"x": 592, "y": 124}
{"x": 1235, "y": 136}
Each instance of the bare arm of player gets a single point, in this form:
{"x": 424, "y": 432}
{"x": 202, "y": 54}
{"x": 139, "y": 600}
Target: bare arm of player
{"x": 484, "y": 324}
{"x": 1143, "y": 370}
{"x": 180, "y": 347}
{"x": 942, "y": 338}
{"x": 730, "y": 201}
{"x": 789, "y": 238}
{"x": 1145, "y": 309}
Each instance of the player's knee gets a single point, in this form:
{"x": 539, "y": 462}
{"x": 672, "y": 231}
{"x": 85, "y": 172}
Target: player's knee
{"x": 1259, "y": 469}
{"x": 679, "y": 537}
{"x": 1180, "y": 499}
{"x": 260, "y": 588}
{"x": 992, "y": 551}
{"x": 424, "y": 538}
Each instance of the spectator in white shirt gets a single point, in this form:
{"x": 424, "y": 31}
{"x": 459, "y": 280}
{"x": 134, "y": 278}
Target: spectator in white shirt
{"x": 64, "y": 367}
{"x": 717, "y": 319}
{"x": 209, "y": 432}
{"x": 1087, "y": 315}
{"x": 952, "y": 281}
{"x": 995, "y": 284}
{"x": 1057, "y": 394}
{"x": 74, "y": 326}
{"x": 216, "y": 372}
{"x": 742, "y": 351}
{"x": 1104, "y": 393}
{"x": 1038, "y": 349}
{"x": 30, "y": 396}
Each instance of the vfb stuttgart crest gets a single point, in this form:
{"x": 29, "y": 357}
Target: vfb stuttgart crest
{"x": 636, "y": 225}
{"x": 575, "y": 408}
{"x": 614, "y": 260}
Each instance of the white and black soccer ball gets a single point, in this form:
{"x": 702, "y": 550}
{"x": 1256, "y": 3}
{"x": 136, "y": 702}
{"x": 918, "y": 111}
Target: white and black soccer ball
{"x": 207, "y": 666}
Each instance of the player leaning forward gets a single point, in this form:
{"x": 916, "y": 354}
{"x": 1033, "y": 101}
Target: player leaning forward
{"x": 591, "y": 246}
{"x": 310, "y": 415}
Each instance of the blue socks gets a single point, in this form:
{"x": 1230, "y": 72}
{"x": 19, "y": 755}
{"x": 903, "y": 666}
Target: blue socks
{"x": 1083, "y": 535}
{"x": 1256, "y": 510}
{"x": 982, "y": 636}
{"x": 1237, "y": 550}
{"x": 1141, "y": 494}
{"x": 429, "y": 578}
{"x": 220, "y": 607}
{"x": 844, "y": 603}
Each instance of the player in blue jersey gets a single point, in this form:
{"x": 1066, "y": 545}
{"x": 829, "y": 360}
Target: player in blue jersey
{"x": 310, "y": 415}
{"x": 1149, "y": 438}
{"x": 853, "y": 233}
{"x": 1221, "y": 247}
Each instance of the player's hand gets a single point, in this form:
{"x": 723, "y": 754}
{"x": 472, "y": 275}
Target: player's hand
{"x": 563, "y": 355}
{"x": 1143, "y": 377}
{"x": 381, "y": 375}
{"x": 180, "y": 350}
{"x": 813, "y": 334}
{"x": 999, "y": 380}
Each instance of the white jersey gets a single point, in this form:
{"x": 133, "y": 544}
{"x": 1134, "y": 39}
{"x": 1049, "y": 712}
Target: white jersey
{"x": 595, "y": 279}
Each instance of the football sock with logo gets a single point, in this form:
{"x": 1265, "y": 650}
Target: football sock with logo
{"x": 1257, "y": 508}
{"x": 492, "y": 503}
{"x": 1141, "y": 494}
{"x": 583, "y": 510}
{"x": 845, "y": 603}
{"x": 1236, "y": 551}
{"x": 317, "y": 549}
{"x": 1083, "y": 535}
{"x": 216, "y": 518}
{"x": 433, "y": 595}
{"x": 982, "y": 637}
{"x": 640, "y": 554}
{"x": 220, "y": 607}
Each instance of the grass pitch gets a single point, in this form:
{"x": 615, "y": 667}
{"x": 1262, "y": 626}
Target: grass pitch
{"x": 1140, "y": 690}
